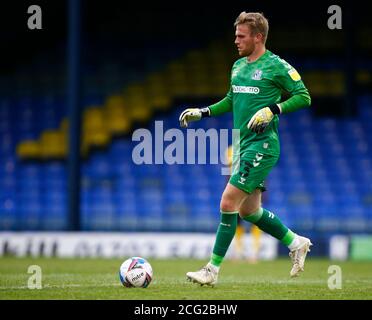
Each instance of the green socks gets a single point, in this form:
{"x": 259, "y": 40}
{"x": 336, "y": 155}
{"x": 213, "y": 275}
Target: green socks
{"x": 225, "y": 234}
{"x": 271, "y": 224}
{"x": 264, "y": 219}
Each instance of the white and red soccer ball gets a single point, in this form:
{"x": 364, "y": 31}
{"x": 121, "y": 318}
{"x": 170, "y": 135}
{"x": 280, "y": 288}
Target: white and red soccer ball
{"x": 135, "y": 272}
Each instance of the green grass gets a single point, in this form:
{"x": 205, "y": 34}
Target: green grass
{"x": 98, "y": 279}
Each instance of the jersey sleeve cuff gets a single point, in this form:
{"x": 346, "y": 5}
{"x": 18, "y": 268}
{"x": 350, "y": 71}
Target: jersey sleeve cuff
{"x": 275, "y": 108}
{"x": 205, "y": 112}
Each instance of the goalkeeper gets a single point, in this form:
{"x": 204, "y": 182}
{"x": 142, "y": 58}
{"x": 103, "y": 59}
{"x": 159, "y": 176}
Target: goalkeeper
{"x": 254, "y": 98}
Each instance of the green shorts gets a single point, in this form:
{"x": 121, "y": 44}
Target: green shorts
{"x": 251, "y": 171}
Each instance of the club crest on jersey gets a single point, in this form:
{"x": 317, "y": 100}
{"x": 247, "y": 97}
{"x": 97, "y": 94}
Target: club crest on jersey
{"x": 257, "y": 75}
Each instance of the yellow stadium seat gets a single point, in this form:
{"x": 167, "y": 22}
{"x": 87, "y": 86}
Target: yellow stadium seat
{"x": 29, "y": 149}
{"x": 140, "y": 111}
{"x": 99, "y": 138}
{"x": 117, "y": 119}
{"x": 157, "y": 91}
{"x": 160, "y": 101}
{"x": 322, "y": 83}
{"x": 134, "y": 90}
{"x": 53, "y": 144}
{"x": 220, "y": 91}
{"x": 180, "y": 89}
{"x": 115, "y": 101}
{"x": 93, "y": 118}
{"x": 336, "y": 83}
{"x": 95, "y": 131}
{"x": 118, "y": 125}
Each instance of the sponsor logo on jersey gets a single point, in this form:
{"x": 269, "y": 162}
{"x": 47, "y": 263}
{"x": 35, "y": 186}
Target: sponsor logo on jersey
{"x": 294, "y": 75}
{"x": 257, "y": 75}
{"x": 245, "y": 89}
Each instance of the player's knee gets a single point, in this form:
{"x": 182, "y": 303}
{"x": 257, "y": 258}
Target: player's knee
{"x": 248, "y": 211}
{"x": 227, "y": 205}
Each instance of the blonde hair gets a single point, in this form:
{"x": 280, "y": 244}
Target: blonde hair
{"x": 256, "y": 22}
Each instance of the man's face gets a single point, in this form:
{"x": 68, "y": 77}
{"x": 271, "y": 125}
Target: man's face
{"x": 245, "y": 40}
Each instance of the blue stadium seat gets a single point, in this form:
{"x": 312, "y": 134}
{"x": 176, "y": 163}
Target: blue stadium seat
{"x": 322, "y": 180}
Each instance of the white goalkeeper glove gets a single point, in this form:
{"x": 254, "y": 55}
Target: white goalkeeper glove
{"x": 262, "y": 118}
{"x": 192, "y": 114}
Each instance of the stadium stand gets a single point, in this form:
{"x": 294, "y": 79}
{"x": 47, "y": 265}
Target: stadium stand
{"x": 323, "y": 180}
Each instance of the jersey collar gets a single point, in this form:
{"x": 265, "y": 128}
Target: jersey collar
{"x": 261, "y": 57}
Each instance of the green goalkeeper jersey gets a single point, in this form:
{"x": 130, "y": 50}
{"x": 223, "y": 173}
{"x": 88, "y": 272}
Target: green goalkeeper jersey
{"x": 255, "y": 85}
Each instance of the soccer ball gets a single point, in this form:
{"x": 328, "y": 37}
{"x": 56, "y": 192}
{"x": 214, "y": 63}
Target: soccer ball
{"x": 135, "y": 272}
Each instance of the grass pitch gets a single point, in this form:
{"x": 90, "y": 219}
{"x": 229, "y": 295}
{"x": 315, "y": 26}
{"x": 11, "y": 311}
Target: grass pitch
{"x": 238, "y": 280}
